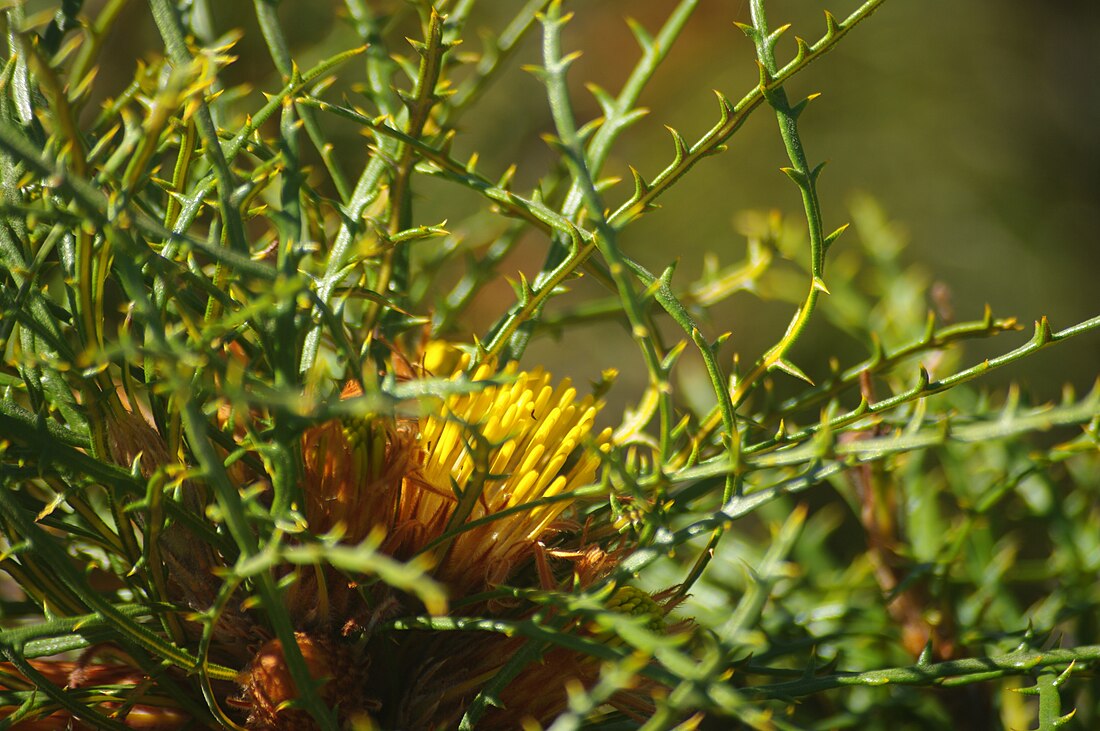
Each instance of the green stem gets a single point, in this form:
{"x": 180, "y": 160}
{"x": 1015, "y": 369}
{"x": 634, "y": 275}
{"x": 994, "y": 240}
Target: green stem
{"x": 492, "y": 61}
{"x": 953, "y": 672}
{"x": 393, "y": 271}
{"x": 605, "y": 238}
{"x": 272, "y": 30}
{"x": 172, "y": 31}
{"x": 619, "y": 114}
{"x": 1042, "y": 338}
{"x": 806, "y": 180}
{"x": 733, "y": 116}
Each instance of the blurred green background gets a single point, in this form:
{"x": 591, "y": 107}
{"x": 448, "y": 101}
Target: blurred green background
{"x": 974, "y": 124}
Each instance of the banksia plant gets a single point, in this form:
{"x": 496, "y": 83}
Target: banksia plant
{"x": 275, "y": 455}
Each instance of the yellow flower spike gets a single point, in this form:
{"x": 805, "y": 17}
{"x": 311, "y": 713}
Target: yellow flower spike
{"x": 519, "y": 437}
{"x": 513, "y": 443}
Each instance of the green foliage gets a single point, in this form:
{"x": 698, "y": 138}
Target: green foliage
{"x": 195, "y": 282}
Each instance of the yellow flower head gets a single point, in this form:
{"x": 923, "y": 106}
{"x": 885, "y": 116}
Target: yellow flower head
{"x": 506, "y": 450}
{"x": 518, "y": 445}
